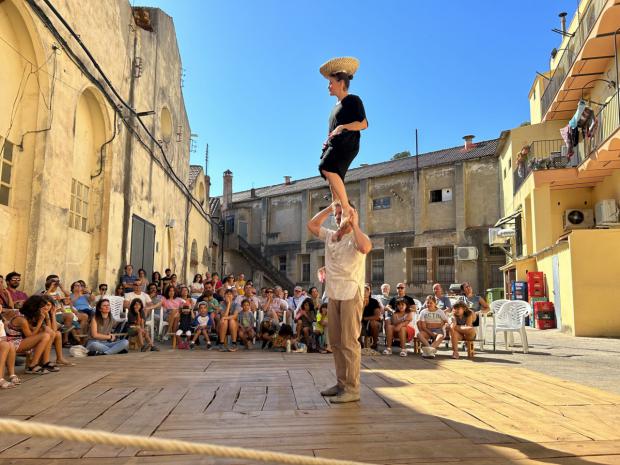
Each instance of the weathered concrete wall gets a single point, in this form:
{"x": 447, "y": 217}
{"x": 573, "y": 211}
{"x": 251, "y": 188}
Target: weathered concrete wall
{"x": 123, "y": 179}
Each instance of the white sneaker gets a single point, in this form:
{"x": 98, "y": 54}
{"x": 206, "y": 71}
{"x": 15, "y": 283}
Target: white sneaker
{"x": 188, "y": 333}
{"x": 179, "y": 333}
{"x": 427, "y": 352}
{"x": 387, "y": 351}
{"x": 403, "y": 353}
{"x": 433, "y": 350}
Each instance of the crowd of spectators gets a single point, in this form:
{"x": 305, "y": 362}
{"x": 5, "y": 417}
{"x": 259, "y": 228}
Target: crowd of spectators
{"x": 216, "y": 313}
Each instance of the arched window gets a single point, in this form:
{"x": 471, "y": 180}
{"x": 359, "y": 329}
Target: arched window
{"x": 193, "y": 261}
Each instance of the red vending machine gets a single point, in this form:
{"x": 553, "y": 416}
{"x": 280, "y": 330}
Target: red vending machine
{"x": 536, "y": 284}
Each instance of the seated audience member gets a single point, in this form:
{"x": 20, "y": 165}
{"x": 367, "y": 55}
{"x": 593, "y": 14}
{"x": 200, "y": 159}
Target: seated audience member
{"x": 295, "y": 301}
{"x": 285, "y": 295}
{"x": 136, "y": 316}
{"x": 51, "y": 326}
{"x": 371, "y": 320}
{"x": 138, "y": 293}
{"x": 13, "y": 280}
{"x": 304, "y": 320}
{"x": 80, "y": 300}
{"x": 156, "y": 280}
{"x": 165, "y": 281}
{"x": 202, "y": 323}
{"x": 240, "y": 284}
{"x": 72, "y": 323}
{"x": 228, "y": 323}
{"x": 247, "y": 323}
{"x": 269, "y": 327}
{"x": 103, "y": 292}
{"x": 187, "y": 315}
{"x": 24, "y": 330}
{"x": 285, "y": 335}
{"x": 156, "y": 299}
{"x": 206, "y": 278}
{"x": 7, "y": 358}
{"x": 142, "y": 279}
{"x": 102, "y": 341}
{"x": 128, "y": 279}
{"x": 248, "y": 293}
{"x": 174, "y": 281}
{"x": 432, "y": 326}
{"x": 314, "y": 294}
{"x": 398, "y": 326}
{"x": 215, "y": 279}
{"x": 5, "y": 298}
{"x": 171, "y": 304}
{"x": 461, "y": 327}
{"x": 119, "y": 291}
{"x": 384, "y": 298}
{"x": 400, "y": 289}
{"x": 443, "y": 302}
{"x": 275, "y": 304}
{"x": 321, "y": 330}
{"x": 197, "y": 287}
{"x": 478, "y": 305}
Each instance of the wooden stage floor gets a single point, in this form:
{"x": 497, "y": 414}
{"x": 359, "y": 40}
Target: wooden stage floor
{"x": 412, "y": 410}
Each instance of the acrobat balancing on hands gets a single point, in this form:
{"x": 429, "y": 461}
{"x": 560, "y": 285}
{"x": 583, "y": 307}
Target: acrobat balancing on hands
{"x": 346, "y": 121}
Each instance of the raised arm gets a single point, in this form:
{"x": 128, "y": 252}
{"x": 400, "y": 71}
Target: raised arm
{"x": 362, "y": 241}
{"x": 314, "y": 225}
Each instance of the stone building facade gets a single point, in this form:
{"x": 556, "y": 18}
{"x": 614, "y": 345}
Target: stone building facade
{"x": 421, "y": 215}
{"x": 95, "y": 144}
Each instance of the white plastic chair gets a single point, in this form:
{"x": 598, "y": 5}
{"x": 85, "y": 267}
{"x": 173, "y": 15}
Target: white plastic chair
{"x": 510, "y": 318}
{"x": 150, "y": 323}
{"x": 162, "y": 323}
{"x": 116, "y": 309}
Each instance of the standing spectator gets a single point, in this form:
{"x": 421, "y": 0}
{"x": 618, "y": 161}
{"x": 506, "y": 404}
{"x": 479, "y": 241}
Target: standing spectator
{"x": 102, "y": 341}
{"x": 345, "y": 263}
{"x": 228, "y": 323}
{"x": 197, "y": 287}
{"x": 474, "y": 302}
{"x": 247, "y": 323}
{"x": 80, "y": 300}
{"x": 5, "y": 297}
{"x": 371, "y": 319}
{"x": 128, "y": 279}
{"x": 202, "y": 323}
{"x": 142, "y": 279}
{"x": 443, "y": 302}
{"x": 13, "y": 279}
{"x": 399, "y": 326}
{"x": 384, "y": 297}
{"x": 240, "y": 284}
{"x": 400, "y": 289}
{"x": 432, "y": 325}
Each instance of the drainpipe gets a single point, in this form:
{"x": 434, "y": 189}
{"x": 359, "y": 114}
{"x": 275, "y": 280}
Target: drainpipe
{"x": 616, "y": 66}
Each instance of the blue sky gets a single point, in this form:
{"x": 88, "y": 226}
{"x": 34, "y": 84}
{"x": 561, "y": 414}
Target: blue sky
{"x": 254, "y": 93}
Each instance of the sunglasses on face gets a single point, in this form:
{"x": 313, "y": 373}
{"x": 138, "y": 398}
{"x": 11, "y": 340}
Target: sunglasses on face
{"x": 400, "y": 288}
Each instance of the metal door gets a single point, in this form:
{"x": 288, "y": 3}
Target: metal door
{"x": 557, "y": 302}
{"x": 142, "y": 245}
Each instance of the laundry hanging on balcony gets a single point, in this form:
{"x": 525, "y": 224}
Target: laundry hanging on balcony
{"x": 583, "y": 119}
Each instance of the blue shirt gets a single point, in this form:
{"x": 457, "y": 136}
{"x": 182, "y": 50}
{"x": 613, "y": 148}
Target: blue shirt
{"x": 128, "y": 279}
{"x": 81, "y": 303}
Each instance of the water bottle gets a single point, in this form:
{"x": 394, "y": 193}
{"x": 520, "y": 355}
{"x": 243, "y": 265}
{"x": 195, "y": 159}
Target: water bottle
{"x": 288, "y": 346}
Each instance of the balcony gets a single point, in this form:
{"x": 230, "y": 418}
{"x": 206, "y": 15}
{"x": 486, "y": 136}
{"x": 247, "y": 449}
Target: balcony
{"x": 544, "y": 154}
{"x": 586, "y": 57}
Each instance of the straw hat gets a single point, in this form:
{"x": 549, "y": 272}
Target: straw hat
{"x": 347, "y": 65}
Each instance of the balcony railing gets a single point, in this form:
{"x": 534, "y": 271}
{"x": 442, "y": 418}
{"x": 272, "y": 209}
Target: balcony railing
{"x": 569, "y": 55}
{"x": 608, "y": 119}
{"x": 543, "y": 154}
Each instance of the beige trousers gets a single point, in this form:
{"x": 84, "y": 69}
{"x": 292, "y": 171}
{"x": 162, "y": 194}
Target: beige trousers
{"x": 345, "y": 317}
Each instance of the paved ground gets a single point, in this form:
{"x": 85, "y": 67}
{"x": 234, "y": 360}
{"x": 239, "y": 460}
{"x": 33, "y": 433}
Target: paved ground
{"x": 590, "y": 361}
{"x": 498, "y": 409}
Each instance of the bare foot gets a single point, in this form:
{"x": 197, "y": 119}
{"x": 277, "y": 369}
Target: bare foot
{"x": 455, "y": 355}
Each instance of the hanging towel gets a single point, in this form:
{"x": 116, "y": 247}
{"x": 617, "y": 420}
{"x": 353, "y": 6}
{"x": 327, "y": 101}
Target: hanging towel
{"x": 566, "y": 134}
{"x": 575, "y": 119}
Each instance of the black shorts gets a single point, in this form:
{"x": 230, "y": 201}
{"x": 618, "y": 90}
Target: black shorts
{"x": 336, "y": 160}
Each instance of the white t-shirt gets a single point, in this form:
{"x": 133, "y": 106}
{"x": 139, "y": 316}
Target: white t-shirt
{"x": 345, "y": 266}
{"x": 144, "y": 297}
{"x": 436, "y": 317}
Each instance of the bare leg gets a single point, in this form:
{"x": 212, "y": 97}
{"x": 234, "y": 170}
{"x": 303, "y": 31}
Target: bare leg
{"x": 455, "y": 338}
{"x": 4, "y": 354}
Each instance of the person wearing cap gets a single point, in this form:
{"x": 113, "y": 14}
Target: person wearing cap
{"x": 295, "y": 300}
{"x": 345, "y": 267}
{"x": 346, "y": 121}
{"x": 400, "y": 289}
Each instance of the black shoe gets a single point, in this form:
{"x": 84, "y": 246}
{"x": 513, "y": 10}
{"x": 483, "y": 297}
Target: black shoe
{"x": 124, "y": 351}
{"x": 92, "y": 353}
{"x": 264, "y": 345}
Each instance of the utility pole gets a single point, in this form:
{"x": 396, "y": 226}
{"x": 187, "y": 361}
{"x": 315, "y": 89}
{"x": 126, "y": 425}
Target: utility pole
{"x": 207, "y": 160}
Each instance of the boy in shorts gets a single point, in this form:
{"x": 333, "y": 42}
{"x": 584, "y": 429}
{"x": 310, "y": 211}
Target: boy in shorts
{"x": 202, "y": 324}
{"x": 247, "y": 323}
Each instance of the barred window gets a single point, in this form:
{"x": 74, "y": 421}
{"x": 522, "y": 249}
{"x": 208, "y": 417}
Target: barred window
{"x": 282, "y": 263}
{"x": 382, "y": 203}
{"x": 444, "y": 264}
{"x": 304, "y": 268}
{"x": 417, "y": 265}
{"x": 6, "y": 170}
{"x": 376, "y": 266}
{"x": 78, "y": 213}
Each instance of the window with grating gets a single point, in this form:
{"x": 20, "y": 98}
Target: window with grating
{"x": 444, "y": 264}
{"x": 78, "y": 211}
{"x": 6, "y": 170}
{"x": 417, "y": 265}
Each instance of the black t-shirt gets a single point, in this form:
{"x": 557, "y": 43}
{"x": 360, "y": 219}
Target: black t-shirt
{"x": 348, "y": 110}
{"x": 409, "y": 300}
{"x": 369, "y": 310}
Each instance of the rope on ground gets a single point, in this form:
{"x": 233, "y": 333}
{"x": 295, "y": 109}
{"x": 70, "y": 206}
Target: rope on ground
{"x": 44, "y": 430}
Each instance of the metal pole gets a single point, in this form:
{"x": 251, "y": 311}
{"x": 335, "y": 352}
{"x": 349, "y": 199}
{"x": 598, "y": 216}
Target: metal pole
{"x": 417, "y": 168}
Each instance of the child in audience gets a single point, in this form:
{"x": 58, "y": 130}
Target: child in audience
{"x": 247, "y": 323}
{"x": 269, "y": 327}
{"x": 7, "y": 358}
{"x": 304, "y": 319}
{"x": 399, "y": 326}
{"x": 135, "y": 325}
{"x": 320, "y": 329}
{"x": 202, "y": 324}
{"x": 461, "y": 327}
{"x": 187, "y": 315}
{"x": 432, "y": 325}
{"x": 68, "y": 317}
{"x": 285, "y": 334}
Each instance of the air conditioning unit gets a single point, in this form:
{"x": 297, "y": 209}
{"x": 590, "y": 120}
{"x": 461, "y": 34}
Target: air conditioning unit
{"x": 577, "y": 218}
{"x": 606, "y": 212}
{"x": 466, "y": 253}
{"x": 500, "y": 236}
